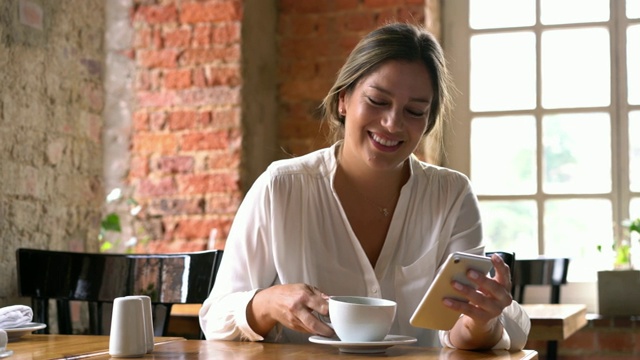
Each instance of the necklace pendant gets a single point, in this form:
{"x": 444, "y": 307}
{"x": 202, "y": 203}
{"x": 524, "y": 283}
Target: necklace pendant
{"x": 384, "y": 212}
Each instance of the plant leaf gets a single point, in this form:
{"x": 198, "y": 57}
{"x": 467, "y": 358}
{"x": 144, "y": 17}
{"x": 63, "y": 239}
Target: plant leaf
{"x": 111, "y": 222}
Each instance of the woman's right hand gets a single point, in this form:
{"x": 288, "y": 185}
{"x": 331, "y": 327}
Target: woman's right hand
{"x": 293, "y": 306}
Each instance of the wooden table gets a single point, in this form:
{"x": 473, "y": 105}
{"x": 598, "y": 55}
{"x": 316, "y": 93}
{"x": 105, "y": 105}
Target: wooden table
{"x": 555, "y": 321}
{"x": 35, "y": 346}
{"x": 96, "y": 347}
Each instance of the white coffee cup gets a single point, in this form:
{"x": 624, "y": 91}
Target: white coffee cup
{"x": 361, "y": 319}
{"x": 127, "y": 336}
{"x": 148, "y": 320}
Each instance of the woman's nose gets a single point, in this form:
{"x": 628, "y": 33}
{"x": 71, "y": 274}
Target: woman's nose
{"x": 393, "y": 120}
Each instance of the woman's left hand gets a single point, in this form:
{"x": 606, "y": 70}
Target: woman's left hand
{"x": 480, "y": 328}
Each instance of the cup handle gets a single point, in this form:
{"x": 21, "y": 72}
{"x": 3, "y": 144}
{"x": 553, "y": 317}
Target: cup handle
{"x": 325, "y": 319}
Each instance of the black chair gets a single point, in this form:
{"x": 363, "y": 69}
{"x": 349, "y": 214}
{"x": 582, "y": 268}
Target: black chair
{"x": 551, "y": 272}
{"x": 99, "y": 278}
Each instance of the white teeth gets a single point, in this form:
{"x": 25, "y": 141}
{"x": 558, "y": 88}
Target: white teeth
{"x": 384, "y": 142}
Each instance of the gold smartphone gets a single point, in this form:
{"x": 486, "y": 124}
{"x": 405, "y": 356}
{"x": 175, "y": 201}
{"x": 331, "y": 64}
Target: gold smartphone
{"x": 431, "y": 312}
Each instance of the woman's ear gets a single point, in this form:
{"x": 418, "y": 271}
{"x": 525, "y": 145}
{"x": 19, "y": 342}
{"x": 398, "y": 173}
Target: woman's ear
{"x": 342, "y": 103}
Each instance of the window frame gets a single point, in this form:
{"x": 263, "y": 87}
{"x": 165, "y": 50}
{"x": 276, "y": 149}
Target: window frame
{"x": 456, "y": 43}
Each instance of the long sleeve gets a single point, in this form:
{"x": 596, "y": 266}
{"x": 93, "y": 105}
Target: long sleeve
{"x": 247, "y": 266}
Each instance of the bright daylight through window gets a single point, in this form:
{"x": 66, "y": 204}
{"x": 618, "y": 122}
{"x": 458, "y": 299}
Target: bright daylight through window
{"x": 547, "y": 123}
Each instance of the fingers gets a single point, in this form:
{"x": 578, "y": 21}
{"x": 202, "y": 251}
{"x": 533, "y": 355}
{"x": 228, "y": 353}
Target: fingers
{"x": 491, "y": 296}
{"x": 296, "y": 307}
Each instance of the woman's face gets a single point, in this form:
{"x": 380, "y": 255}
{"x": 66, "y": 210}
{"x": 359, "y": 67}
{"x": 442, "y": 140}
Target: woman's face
{"x": 386, "y": 114}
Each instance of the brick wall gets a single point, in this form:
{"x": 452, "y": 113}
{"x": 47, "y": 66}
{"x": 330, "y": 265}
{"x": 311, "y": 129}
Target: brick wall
{"x": 51, "y": 99}
{"x": 604, "y": 338}
{"x": 186, "y": 143}
{"x": 193, "y": 143}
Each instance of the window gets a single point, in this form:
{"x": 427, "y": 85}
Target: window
{"x": 547, "y": 123}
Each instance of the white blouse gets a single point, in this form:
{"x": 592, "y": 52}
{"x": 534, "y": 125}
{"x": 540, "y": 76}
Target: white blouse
{"x": 291, "y": 228}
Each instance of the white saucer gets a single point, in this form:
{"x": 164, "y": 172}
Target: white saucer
{"x": 18, "y": 332}
{"x": 365, "y": 347}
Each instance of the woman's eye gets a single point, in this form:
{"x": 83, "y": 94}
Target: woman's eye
{"x": 375, "y": 102}
{"x": 416, "y": 113}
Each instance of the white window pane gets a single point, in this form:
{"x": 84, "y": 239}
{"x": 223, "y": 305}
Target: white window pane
{"x": 575, "y": 68}
{"x": 573, "y": 11}
{"x": 633, "y": 64}
{"x": 503, "y": 72}
{"x": 634, "y": 209}
{"x": 496, "y": 171}
{"x": 494, "y": 14}
{"x": 634, "y": 151}
{"x": 633, "y": 9}
{"x": 576, "y": 228}
{"x": 510, "y": 226}
{"x": 577, "y": 153}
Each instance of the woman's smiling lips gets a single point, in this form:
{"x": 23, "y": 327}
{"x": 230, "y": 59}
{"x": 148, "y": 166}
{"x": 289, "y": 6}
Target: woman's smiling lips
{"x": 384, "y": 144}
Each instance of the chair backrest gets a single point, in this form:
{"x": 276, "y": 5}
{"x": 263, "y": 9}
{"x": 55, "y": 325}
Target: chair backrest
{"x": 541, "y": 271}
{"x": 99, "y": 278}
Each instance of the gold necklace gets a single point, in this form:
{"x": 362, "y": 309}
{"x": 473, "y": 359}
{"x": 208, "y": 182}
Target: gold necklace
{"x": 382, "y": 209}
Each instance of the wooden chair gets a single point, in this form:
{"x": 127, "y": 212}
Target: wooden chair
{"x": 551, "y": 272}
{"x": 99, "y": 278}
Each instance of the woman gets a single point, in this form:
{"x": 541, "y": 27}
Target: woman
{"x": 364, "y": 216}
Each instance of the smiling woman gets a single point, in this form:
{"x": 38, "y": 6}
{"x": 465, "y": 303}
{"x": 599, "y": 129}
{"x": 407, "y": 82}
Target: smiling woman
{"x": 363, "y": 217}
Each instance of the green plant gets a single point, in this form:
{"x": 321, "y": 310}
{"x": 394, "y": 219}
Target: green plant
{"x": 112, "y": 233}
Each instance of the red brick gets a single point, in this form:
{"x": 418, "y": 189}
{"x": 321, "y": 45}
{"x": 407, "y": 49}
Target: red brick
{"x": 174, "y": 246}
{"x": 208, "y": 183}
{"x": 224, "y": 160}
{"x": 139, "y": 167}
{"x": 157, "y": 187}
{"x": 203, "y": 12}
{"x": 223, "y": 204}
{"x": 176, "y": 37}
{"x": 201, "y": 36}
{"x": 177, "y": 79}
{"x": 216, "y": 55}
{"x": 299, "y": 129}
{"x": 305, "y": 89}
{"x": 155, "y": 99}
{"x": 142, "y": 80}
{"x": 382, "y": 3}
{"x": 205, "y": 141}
{"x": 175, "y": 164}
{"x": 165, "y": 58}
{"x": 180, "y": 120}
{"x": 304, "y": 7}
{"x": 226, "y": 34}
{"x": 341, "y": 5}
{"x": 158, "y": 121}
{"x": 154, "y": 143}
{"x": 222, "y": 119}
{"x": 164, "y": 206}
{"x": 305, "y": 48}
{"x": 219, "y": 95}
{"x": 356, "y": 22}
{"x": 199, "y": 77}
{"x": 195, "y": 228}
{"x": 229, "y": 76}
{"x": 156, "y": 14}
{"x": 140, "y": 121}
